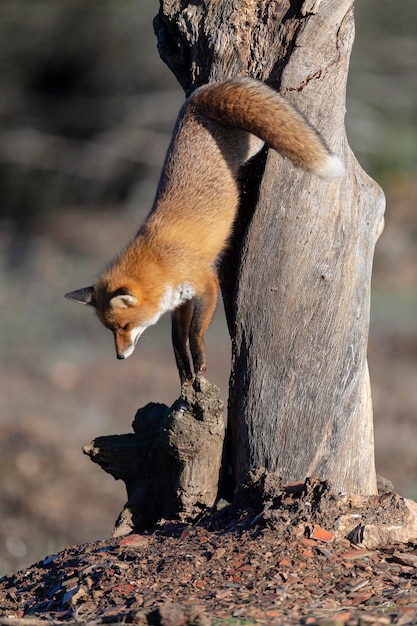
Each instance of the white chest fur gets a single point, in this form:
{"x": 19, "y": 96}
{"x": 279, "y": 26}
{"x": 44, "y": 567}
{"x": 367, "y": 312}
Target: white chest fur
{"x": 173, "y": 297}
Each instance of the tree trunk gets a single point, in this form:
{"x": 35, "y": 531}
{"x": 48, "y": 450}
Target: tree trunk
{"x": 296, "y": 279}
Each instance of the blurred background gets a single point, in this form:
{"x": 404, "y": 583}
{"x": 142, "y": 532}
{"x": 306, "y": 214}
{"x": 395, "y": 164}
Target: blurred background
{"x": 86, "y": 112}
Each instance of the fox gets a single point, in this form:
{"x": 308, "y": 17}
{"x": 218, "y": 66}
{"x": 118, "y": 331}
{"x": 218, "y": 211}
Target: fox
{"x": 170, "y": 264}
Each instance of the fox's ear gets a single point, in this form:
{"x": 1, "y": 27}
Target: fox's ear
{"x": 83, "y": 296}
{"x": 123, "y": 299}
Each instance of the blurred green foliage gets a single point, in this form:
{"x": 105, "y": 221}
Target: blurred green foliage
{"x": 382, "y": 87}
{"x": 75, "y": 84}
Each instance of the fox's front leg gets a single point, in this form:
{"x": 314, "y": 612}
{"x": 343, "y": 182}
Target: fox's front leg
{"x": 203, "y": 310}
{"x": 189, "y": 324}
{"x": 181, "y": 321}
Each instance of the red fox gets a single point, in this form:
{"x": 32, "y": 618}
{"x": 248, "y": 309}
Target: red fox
{"x": 171, "y": 263}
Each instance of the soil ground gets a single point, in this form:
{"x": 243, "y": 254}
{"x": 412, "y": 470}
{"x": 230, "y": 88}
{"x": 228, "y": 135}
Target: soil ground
{"x": 269, "y": 559}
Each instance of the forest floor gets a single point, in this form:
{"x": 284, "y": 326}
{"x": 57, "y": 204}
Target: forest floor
{"x": 277, "y": 556}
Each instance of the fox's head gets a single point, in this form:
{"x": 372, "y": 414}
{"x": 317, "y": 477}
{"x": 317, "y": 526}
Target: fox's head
{"x": 126, "y": 312}
{"x": 123, "y": 311}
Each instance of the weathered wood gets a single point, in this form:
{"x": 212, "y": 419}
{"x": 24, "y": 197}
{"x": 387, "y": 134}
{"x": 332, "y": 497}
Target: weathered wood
{"x": 171, "y": 463}
{"x": 296, "y": 278}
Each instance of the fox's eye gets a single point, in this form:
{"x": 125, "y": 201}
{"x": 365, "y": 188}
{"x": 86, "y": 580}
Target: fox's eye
{"x": 125, "y": 327}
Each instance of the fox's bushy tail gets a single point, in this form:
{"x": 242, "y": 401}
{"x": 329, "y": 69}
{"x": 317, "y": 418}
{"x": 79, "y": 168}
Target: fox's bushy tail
{"x": 254, "y": 107}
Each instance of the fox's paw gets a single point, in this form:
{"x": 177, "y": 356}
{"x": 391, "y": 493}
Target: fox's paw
{"x": 186, "y": 381}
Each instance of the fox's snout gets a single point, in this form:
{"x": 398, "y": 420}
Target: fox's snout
{"x": 125, "y": 344}
{"x": 125, "y": 341}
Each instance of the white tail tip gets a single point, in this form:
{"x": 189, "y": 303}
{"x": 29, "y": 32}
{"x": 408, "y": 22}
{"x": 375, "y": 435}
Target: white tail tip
{"x": 331, "y": 167}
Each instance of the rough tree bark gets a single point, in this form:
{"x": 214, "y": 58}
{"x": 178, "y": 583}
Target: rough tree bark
{"x": 171, "y": 462}
{"x": 296, "y": 278}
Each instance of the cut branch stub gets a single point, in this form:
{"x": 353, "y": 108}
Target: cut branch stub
{"x": 171, "y": 463}
{"x": 207, "y": 41}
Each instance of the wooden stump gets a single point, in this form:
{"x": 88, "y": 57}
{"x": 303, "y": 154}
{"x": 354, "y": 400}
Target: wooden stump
{"x": 171, "y": 463}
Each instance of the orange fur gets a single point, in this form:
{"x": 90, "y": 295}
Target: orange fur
{"x": 170, "y": 265}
